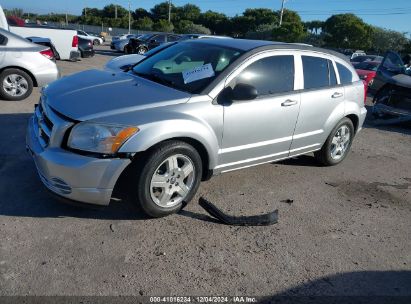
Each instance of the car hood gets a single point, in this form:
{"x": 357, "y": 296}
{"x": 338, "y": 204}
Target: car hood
{"x": 118, "y": 62}
{"x": 95, "y": 94}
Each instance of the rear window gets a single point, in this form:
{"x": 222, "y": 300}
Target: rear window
{"x": 346, "y": 76}
{"x": 316, "y": 74}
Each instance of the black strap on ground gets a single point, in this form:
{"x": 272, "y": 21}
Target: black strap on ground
{"x": 255, "y": 220}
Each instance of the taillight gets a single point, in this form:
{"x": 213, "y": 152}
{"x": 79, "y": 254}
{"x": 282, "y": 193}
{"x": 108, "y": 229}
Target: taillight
{"x": 74, "y": 43}
{"x": 365, "y": 90}
{"x": 48, "y": 54}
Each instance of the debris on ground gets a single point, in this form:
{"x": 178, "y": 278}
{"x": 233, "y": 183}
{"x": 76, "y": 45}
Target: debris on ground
{"x": 255, "y": 220}
{"x": 287, "y": 201}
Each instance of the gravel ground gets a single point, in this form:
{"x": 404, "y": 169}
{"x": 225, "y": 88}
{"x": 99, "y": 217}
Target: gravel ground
{"x": 347, "y": 231}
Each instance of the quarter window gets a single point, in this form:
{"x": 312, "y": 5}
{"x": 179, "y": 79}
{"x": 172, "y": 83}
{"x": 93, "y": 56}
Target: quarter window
{"x": 316, "y": 73}
{"x": 346, "y": 76}
{"x": 270, "y": 75}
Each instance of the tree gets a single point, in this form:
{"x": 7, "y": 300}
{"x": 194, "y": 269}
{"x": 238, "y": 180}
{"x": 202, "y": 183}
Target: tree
{"x": 144, "y": 24}
{"x": 240, "y": 25}
{"x": 347, "y": 31}
{"x": 141, "y": 13}
{"x": 218, "y": 23}
{"x": 163, "y": 25}
{"x": 384, "y": 40}
{"x": 263, "y": 32}
{"x": 291, "y": 30}
{"x": 261, "y": 16}
{"x": 160, "y": 11}
{"x": 109, "y": 11}
{"x": 188, "y": 27}
{"x": 189, "y": 12}
{"x": 314, "y": 26}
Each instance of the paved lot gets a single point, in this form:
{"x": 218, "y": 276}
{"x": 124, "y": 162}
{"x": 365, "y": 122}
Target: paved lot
{"x": 346, "y": 233}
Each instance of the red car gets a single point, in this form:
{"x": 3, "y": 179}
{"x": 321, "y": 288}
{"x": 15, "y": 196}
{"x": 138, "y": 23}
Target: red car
{"x": 367, "y": 71}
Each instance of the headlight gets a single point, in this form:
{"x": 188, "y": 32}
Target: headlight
{"x": 93, "y": 137}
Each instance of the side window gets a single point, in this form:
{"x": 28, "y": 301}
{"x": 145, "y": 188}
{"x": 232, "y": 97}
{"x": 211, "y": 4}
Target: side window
{"x": 270, "y": 75}
{"x": 345, "y": 74}
{"x": 316, "y": 73}
{"x": 333, "y": 78}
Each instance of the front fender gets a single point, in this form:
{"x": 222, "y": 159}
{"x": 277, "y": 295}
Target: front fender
{"x": 154, "y": 133}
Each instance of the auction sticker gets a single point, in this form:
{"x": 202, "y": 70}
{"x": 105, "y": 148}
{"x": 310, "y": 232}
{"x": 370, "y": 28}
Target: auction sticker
{"x": 198, "y": 73}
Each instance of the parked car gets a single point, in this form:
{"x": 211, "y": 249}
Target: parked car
{"x": 147, "y": 42}
{"x": 122, "y": 36}
{"x": 97, "y": 35}
{"x": 46, "y": 42}
{"x": 64, "y": 40}
{"x": 367, "y": 70}
{"x": 195, "y": 109}
{"x": 120, "y": 45}
{"x": 23, "y": 65}
{"x": 85, "y": 47}
{"x": 125, "y": 62}
{"x": 359, "y": 59}
{"x": 357, "y": 53}
{"x": 392, "y": 88}
{"x": 94, "y": 39}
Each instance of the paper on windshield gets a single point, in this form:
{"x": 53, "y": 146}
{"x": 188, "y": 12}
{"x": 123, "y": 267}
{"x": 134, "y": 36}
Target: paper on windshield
{"x": 198, "y": 73}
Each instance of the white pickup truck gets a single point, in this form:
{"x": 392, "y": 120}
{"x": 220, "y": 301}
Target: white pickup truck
{"x": 64, "y": 40}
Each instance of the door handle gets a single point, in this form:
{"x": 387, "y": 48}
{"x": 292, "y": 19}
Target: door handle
{"x": 337, "y": 95}
{"x": 289, "y": 102}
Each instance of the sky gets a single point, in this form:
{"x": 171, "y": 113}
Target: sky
{"x": 391, "y": 14}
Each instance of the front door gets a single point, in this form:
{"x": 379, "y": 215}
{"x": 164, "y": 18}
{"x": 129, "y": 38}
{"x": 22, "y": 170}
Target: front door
{"x": 261, "y": 130}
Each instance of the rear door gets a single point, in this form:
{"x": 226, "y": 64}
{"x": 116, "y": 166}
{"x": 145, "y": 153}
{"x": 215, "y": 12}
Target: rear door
{"x": 321, "y": 98}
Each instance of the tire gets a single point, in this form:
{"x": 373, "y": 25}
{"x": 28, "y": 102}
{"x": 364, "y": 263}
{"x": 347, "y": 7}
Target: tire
{"x": 96, "y": 42}
{"x": 335, "y": 148}
{"x": 126, "y": 50}
{"x": 141, "y": 50}
{"x": 15, "y": 85}
{"x": 157, "y": 169}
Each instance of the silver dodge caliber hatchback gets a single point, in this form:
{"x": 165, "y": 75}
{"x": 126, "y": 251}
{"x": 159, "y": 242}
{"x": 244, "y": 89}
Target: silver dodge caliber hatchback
{"x": 193, "y": 110}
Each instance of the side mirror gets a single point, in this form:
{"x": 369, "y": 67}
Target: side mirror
{"x": 244, "y": 91}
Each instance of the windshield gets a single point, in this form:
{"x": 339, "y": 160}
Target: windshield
{"x": 368, "y": 66}
{"x": 188, "y": 67}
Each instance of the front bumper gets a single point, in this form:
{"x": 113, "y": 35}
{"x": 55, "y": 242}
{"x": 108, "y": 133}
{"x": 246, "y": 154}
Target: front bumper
{"x": 363, "y": 115}
{"x": 75, "y": 177}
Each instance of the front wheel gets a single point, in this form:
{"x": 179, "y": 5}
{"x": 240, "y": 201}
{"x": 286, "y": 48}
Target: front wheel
{"x": 338, "y": 144}
{"x": 96, "y": 42}
{"x": 168, "y": 178}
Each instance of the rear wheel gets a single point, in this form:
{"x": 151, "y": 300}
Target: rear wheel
{"x": 15, "y": 85}
{"x": 338, "y": 144}
{"x": 168, "y": 178}
{"x": 141, "y": 50}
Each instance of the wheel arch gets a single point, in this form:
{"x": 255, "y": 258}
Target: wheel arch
{"x": 35, "y": 84}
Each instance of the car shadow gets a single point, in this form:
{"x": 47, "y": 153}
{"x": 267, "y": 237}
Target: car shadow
{"x": 22, "y": 193}
{"x": 351, "y": 287}
{"x": 302, "y": 161}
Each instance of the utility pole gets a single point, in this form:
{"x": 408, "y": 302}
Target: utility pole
{"x": 115, "y": 11}
{"x": 169, "y": 11}
{"x": 66, "y": 20}
{"x": 282, "y": 11}
{"x": 129, "y": 16}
